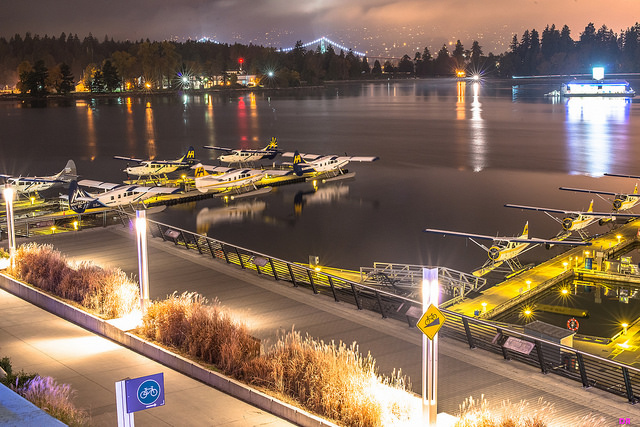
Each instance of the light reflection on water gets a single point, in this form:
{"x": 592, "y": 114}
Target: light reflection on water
{"x": 452, "y": 153}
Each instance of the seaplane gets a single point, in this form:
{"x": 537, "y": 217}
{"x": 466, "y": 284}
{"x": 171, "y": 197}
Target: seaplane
{"x": 158, "y": 168}
{"x": 505, "y": 249}
{"x": 34, "y": 184}
{"x": 219, "y": 178}
{"x": 621, "y": 201}
{"x": 317, "y": 164}
{"x": 114, "y": 196}
{"x": 577, "y": 220}
{"x": 244, "y": 156}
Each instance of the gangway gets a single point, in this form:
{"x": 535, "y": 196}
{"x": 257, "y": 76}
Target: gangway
{"x": 406, "y": 279}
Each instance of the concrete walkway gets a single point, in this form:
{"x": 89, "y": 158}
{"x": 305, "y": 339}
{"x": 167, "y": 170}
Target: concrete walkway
{"x": 42, "y": 343}
{"x": 269, "y": 306}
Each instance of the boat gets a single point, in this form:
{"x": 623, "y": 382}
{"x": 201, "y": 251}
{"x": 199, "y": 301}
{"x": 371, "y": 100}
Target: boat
{"x": 597, "y": 88}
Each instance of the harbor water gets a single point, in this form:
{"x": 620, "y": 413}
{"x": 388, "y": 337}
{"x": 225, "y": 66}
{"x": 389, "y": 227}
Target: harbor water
{"x": 452, "y": 153}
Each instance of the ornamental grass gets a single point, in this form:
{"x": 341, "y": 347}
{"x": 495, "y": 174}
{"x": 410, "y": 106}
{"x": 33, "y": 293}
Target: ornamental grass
{"x": 332, "y": 380}
{"x": 107, "y": 292}
{"x": 45, "y": 393}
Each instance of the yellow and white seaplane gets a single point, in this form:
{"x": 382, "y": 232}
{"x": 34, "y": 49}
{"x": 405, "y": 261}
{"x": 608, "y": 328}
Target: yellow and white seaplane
{"x": 244, "y": 156}
{"x": 220, "y": 178}
{"x": 316, "y": 163}
{"x": 505, "y": 249}
{"x": 158, "y": 168}
{"x": 620, "y": 202}
{"x": 577, "y": 220}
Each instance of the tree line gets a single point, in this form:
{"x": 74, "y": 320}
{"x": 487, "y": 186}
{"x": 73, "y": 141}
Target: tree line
{"x": 40, "y": 65}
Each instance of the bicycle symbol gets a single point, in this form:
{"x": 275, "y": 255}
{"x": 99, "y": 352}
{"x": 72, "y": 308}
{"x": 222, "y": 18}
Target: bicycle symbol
{"x": 148, "y": 391}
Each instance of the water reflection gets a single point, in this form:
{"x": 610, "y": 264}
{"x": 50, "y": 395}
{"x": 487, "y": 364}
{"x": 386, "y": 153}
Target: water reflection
{"x": 593, "y": 133}
{"x": 150, "y": 131}
{"x": 478, "y": 142}
{"x": 318, "y": 196}
{"x": 207, "y": 218}
{"x": 461, "y": 87}
{"x": 90, "y": 136}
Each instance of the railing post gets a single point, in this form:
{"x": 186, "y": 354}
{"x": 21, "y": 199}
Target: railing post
{"x": 195, "y": 239}
{"x": 505, "y": 354}
{"x": 226, "y": 257}
{"x": 543, "y": 367}
{"x": 313, "y": 285}
{"x": 239, "y": 257}
{"x": 583, "y": 371}
{"x": 184, "y": 239}
{"x": 467, "y": 331}
{"x": 213, "y": 254}
{"x": 627, "y": 385}
{"x": 333, "y": 290}
{"x": 355, "y": 295}
{"x": 293, "y": 277}
{"x": 164, "y": 238}
{"x": 384, "y": 315}
{"x": 273, "y": 269}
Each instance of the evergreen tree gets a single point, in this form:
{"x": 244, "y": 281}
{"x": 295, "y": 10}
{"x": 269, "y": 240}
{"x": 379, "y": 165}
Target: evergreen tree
{"x": 67, "y": 83}
{"x": 110, "y": 76}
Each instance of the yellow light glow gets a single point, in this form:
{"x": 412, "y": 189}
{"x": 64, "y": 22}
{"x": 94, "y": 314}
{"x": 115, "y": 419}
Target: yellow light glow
{"x": 33, "y": 199}
{"x": 75, "y": 225}
{"x": 528, "y": 312}
{"x": 564, "y": 291}
{"x": 317, "y": 269}
{"x": 484, "y": 304}
{"x": 53, "y": 229}
{"x": 625, "y": 325}
{"x": 624, "y": 345}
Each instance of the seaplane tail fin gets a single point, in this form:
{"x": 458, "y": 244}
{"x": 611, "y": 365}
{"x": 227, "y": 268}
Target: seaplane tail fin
{"x": 635, "y": 190}
{"x": 69, "y": 172}
{"x": 189, "y": 157}
{"x": 200, "y": 172}
{"x": 79, "y": 199}
{"x": 273, "y": 144}
{"x": 590, "y": 207}
{"x": 298, "y": 163}
{"x": 525, "y": 232}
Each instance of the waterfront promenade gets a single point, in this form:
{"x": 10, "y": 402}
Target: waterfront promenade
{"x": 268, "y": 306}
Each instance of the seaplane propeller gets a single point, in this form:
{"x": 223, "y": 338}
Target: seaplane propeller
{"x": 567, "y": 223}
{"x": 494, "y": 252}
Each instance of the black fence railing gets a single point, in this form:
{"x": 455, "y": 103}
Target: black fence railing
{"x": 550, "y": 357}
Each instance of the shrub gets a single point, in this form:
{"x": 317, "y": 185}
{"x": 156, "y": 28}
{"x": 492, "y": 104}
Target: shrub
{"x": 107, "y": 292}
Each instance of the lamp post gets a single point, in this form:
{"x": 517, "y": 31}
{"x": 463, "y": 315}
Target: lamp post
{"x": 143, "y": 264}
{"x": 430, "y": 294}
{"x": 8, "y": 199}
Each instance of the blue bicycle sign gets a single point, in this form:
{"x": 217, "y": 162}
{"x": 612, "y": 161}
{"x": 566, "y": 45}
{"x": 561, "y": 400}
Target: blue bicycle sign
{"x": 145, "y": 392}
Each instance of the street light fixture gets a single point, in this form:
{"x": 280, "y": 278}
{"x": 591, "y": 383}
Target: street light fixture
{"x": 143, "y": 264}
{"x": 8, "y": 194}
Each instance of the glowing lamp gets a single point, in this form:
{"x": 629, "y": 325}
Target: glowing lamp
{"x": 564, "y": 291}
{"x": 598, "y": 73}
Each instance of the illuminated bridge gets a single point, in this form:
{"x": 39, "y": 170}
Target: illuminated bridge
{"x": 323, "y": 42}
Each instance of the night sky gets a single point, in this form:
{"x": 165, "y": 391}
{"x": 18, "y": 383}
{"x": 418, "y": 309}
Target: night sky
{"x": 280, "y": 23}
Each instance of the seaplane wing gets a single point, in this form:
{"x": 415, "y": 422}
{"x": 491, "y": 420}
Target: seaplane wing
{"x": 231, "y": 150}
{"x": 622, "y": 176}
{"x": 535, "y": 208}
{"x": 225, "y": 149}
{"x": 583, "y": 190}
{"x": 129, "y": 159}
{"x": 212, "y": 169}
{"x": 536, "y": 241}
{"x": 98, "y": 184}
{"x": 469, "y": 235}
{"x": 520, "y": 239}
{"x": 310, "y": 157}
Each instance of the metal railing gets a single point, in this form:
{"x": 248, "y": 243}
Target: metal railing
{"x": 550, "y": 357}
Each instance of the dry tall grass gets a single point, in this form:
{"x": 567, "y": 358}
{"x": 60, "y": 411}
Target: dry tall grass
{"x": 106, "y": 291}
{"x": 202, "y": 330}
{"x": 333, "y": 380}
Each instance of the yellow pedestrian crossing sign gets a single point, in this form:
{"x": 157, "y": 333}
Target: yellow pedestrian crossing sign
{"x": 431, "y": 321}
